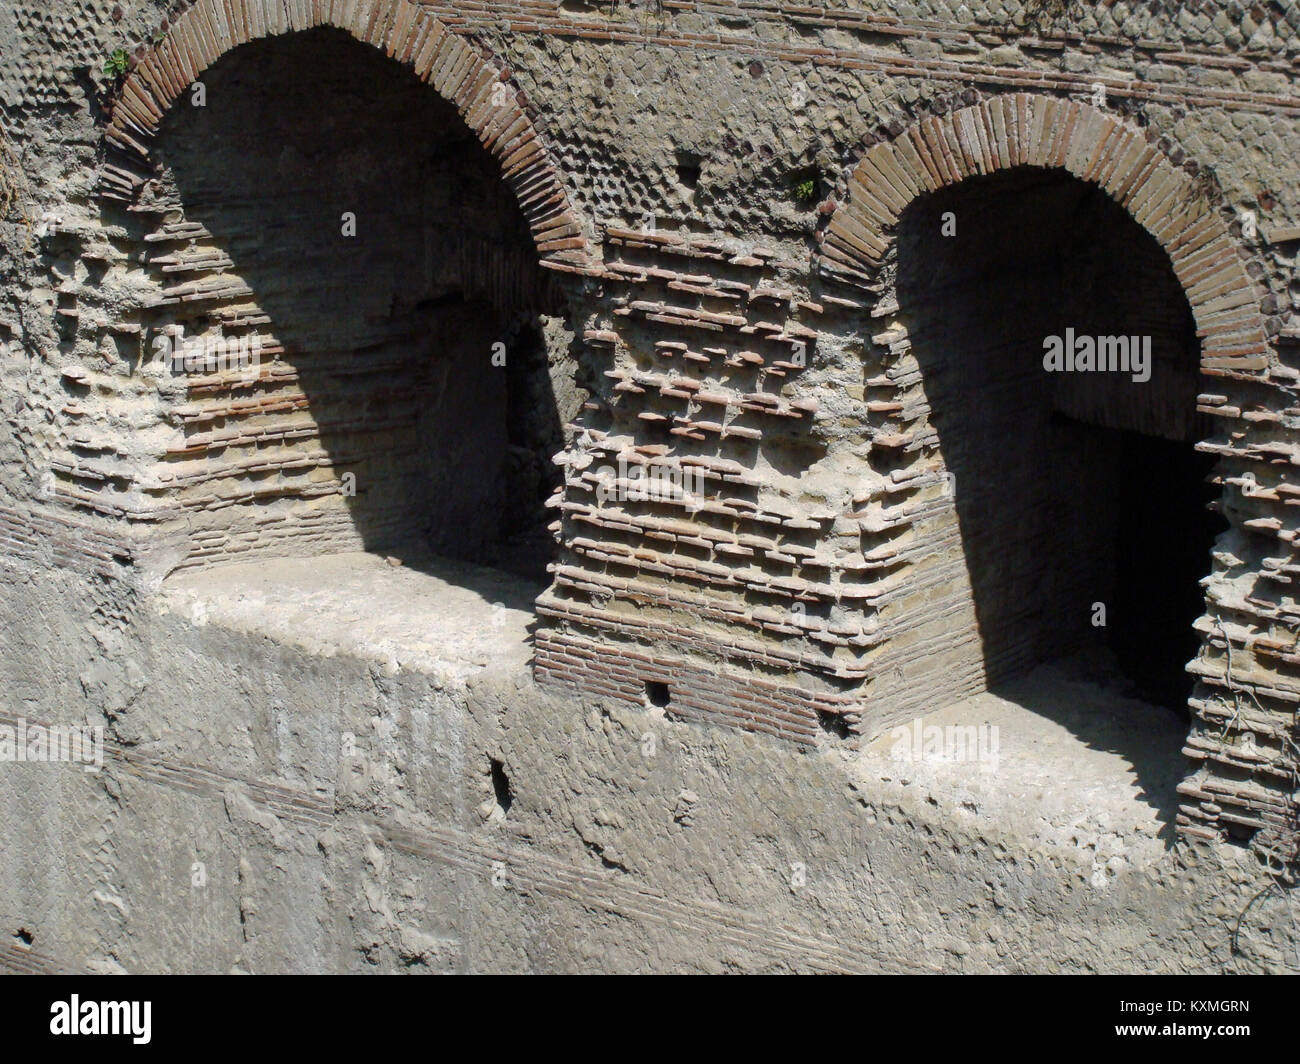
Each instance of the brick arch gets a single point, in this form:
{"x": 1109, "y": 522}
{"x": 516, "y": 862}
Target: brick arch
{"x": 402, "y": 29}
{"x": 1223, "y": 793}
{"x": 1096, "y": 147}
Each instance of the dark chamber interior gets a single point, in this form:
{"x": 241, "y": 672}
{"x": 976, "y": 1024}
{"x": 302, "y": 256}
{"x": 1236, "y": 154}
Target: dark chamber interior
{"x": 1071, "y": 488}
{"x": 391, "y": 331}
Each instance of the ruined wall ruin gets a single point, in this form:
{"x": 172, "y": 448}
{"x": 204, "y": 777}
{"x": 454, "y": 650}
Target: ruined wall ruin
{"x": 709, "y": 243}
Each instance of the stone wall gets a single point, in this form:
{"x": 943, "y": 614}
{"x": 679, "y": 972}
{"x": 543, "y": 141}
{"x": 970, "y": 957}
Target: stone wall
{"x": 703, "y": 234}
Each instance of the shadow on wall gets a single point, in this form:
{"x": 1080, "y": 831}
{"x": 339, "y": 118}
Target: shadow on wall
{"x": 412, "y": 405}
{"x": 1080, "y": 501}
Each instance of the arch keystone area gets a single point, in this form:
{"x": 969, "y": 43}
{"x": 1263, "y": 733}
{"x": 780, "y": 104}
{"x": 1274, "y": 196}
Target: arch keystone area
{"x": 1049, "y": 133}
{"x": 403, "y": 30}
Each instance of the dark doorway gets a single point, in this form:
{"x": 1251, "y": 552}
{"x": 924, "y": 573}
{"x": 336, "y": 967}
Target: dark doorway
{"x": 332, "y": 205}
{"x": 1079, "y": 499}
{"x": 1161, "y": 556}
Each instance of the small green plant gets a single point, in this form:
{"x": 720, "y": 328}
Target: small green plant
{"x": 805, "y": 191}
{"x": 115, "y": 66}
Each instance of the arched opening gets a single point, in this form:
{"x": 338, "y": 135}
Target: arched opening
{"x": 1073, "y": 527}
{"x": 329, "y": 210}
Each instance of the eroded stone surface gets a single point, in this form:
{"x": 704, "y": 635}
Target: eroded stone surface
{"x": 405, "y": 611}
{"x": 692, "y": 223}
